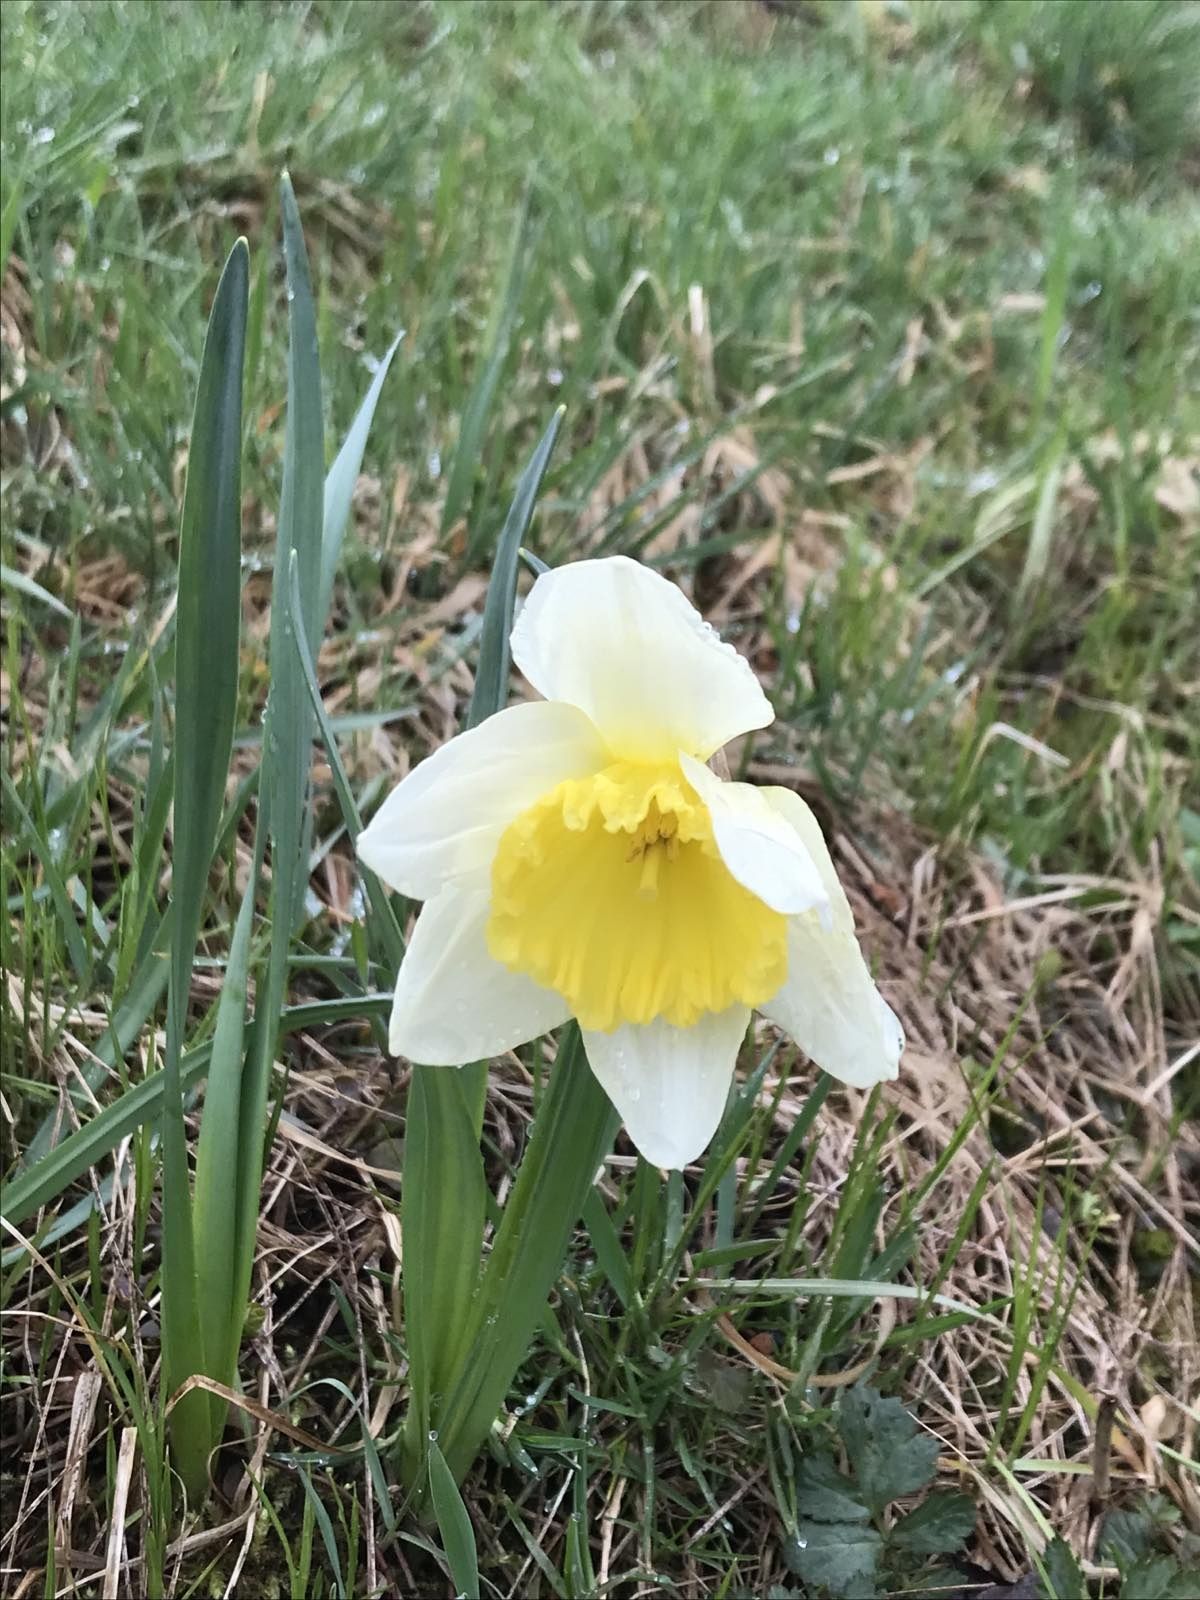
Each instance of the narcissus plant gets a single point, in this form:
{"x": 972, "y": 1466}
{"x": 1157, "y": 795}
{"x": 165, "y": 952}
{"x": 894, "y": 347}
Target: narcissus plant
{"x": 579, "y": 857}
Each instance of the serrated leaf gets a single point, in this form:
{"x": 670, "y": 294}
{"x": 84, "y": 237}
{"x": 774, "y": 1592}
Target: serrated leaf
{"x": 1061, "y": 1578}
{"x": 1125, "y": 1537}
{"x": 938, "y": 1527}
{"x": 889, "y": 1455}
{"x": 1160, "y": 1578}
{"x": 841, "y": 1557}
{"x": 822, "y": 1492}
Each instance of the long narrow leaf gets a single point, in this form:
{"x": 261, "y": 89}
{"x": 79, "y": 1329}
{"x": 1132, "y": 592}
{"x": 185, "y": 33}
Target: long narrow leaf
{"x": 385, "y": 918}
{"x": 572, "y": 1132}
{"x": 216, "y": 1198}
{"x": 341, "y": 478}
{"x": 287, "y": 747}
{"x": 491, "y": 677}
{"x": 454, "y": 1525}
{"x": 206, "y": 665}
{"x": 443, "y": 1205}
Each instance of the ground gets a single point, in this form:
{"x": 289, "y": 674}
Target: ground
{"x": 876, "y": 328}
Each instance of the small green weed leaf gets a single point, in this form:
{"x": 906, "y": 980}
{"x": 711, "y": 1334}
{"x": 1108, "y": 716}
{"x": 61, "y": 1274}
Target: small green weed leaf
{"x": 822, "y": 1492}
{"x": 454, "y": 1525}
{"x": 889, "y": 1455}
{"x": 939, "y": 1526}
{"x": 841, "y": 1557}
{"x": 727, "y": 1386}
{"x": 1061, "y": 1578}
{"x": 1125, "y": 1537}
{"x": 1160, "y": 1578}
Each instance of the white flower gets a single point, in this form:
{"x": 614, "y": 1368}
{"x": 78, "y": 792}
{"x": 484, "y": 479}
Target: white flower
{"x": 578, "y": 858}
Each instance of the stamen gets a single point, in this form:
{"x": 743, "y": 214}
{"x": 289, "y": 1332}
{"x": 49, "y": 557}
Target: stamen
{"x": 648, "y": 882}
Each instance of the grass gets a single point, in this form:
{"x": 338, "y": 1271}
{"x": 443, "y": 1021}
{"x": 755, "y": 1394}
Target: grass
{"x": 876, "y": 327}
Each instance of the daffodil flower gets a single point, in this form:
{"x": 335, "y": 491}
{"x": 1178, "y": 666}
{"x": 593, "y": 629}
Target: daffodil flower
{"x": 578, "y": 857}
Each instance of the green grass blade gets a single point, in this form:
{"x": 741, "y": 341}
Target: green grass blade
{"x": 206, "y": 666}
{"x": 460, "y": 484}
{"x": 10, "y": 578}
{"x": 572, "y": 1132}
{"x": 491, "y": 676}
{"x": 454, "y": 1525}
{"x": 36, "y": 839}
{"x": 341, "y": 478}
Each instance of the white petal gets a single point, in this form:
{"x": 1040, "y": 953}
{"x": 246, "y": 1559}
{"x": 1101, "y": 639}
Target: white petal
{"x": 617, "y": 640}
{"x": 444, "y": 820}
{"x": 453, "y": 1003}
{"x": 757, "y": 843}
{"x": 797, "y": 813}
{"x": 829, "y": 1004}
{"x": 669, "y": 1084}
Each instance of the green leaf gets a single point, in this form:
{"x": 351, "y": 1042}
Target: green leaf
{"x": 454, "y": 1525}
{"x": 939, "y": 1526}
{"x": 288, "y": 723}
{"x": 1159, "y": 1578}
{"x": 11, "y": 578}
{"x": 491, "y": 676}
{"x": 889, "y": 1455}
{"x": 726, "y": 1385}
{"x": 572, "y": 1132}
{"x": 1060, "y": 1577}
{"x": 207, "y": 635}
{"x": 443, "y": 1202}
{"x": 340, "y": 481}
{"x": 841, "y": 1557}
{"x": 823, "y": 1493}
{"x": 1125, "y": 1536}
{"x": 216, "y": 1198}
{"x": 494, "y": 350}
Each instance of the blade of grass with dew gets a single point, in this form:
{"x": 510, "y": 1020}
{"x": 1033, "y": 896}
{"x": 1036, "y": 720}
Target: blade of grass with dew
{"x": 454, "y": 1524}
{"x": 494, "y": 351}
{"x": 207, "y": 637}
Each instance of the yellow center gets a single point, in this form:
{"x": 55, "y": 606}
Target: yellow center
{"x": 610, "y": 890}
